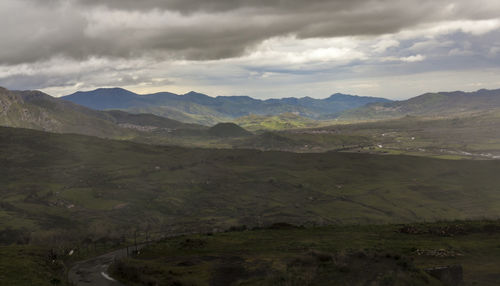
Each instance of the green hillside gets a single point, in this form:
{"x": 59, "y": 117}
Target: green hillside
{"x": 441, "y": 104}
{"x": 277, "y": 122}
{"x": 80, "y": 186}
{"x": 470, "y": 136}
{"x": 186, "y": 112}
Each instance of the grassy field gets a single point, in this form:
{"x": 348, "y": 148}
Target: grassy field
{"x": 89, "y": 188}
{"x": 474, "y": 136}
{"x": 77, "y": 192}
{"x": 23, "y": 265}
{"x": 339, "y": 255}
{"x": 277, "y": 122}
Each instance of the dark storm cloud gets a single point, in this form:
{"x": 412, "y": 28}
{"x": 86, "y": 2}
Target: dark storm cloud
{"x": 197, "y": 30}
{"x": 469, "y": 8}
{"x": 190, "y": 6}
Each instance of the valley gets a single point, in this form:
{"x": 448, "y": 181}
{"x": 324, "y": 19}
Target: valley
{"x": 75, "y": 178}
{"x": 55, "y": 182}
{"x": 468, "y": 133}
{"x": 249, "y": 143}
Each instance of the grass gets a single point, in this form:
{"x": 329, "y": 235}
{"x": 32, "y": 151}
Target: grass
{"x": 343, "y": 255}
{"x": 29, "y": 265}
{"x": 98, "y": 188}
{"x": 276, "y": 122}
{"x": 71, "y": 191}
{"x": 472, "y": 136}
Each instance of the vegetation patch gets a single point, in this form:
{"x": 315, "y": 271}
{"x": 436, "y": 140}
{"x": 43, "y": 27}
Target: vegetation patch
{"x": 343, "y": 255}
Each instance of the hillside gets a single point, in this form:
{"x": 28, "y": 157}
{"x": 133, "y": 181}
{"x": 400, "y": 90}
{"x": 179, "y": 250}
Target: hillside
{"x": 228, "y": 130}
{"x": 439, "y": 104}
{"x": 464, "y": 136}
{"x": 79, "y": 186}
{"x": 202, "y": 109}
{"x": 148, "y": 121}
{"x": 283, "y": 254}
{"x": 276, "y": 122}
{"x": 37, "y": 110}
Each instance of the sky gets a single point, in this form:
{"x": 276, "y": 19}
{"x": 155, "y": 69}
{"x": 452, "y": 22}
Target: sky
{"x": 260, "y": 48}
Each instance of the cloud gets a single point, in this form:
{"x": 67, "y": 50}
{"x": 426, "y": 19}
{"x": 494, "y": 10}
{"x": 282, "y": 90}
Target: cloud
{"x": 384, "y": 44}
{"x": 240, "y": 46}
{"x": 412, "y": 59}
{"x": 207, "y": 30}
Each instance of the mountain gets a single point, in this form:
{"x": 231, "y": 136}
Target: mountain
{"x": 194, "y": 107}
{"x": 37, "y": 110}
{"x": 105, "y": 98}
{"x": 440, "y": 104}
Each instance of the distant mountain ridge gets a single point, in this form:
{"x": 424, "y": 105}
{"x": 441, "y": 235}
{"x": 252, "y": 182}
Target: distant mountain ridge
{"x": 439, "y": 104}
{"x": 37, "y": 110}
{"x": 199, "y": 108}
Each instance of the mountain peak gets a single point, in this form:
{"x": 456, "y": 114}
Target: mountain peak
{"x": 192, "y": 92}
{"x": 246, "y": 97}
{"x": 196, "y": 95}
{"x": 101, "y": 92}
{"x": 33, "y": 95}
{"x": 111, "y": 89}
{"x": 103, "y": 98}
{"x": 114, "y": 91}
{"x": 198, "y": 98}
{"x": 338, "y": 95}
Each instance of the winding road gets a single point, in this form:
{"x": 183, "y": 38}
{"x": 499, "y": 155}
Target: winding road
{"x": 94, "y": 271}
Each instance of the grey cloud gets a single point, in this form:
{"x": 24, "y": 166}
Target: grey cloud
{"x": 40, "y": 81}
{"x": 469, "y": 9}
{"x": 44, "y": 29}
{"x": 193, "y": 6}
{"x": 44, "y": 80}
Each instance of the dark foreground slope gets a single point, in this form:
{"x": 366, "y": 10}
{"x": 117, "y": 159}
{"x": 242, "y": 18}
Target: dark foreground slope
{"x": 79, "y": 187}
{"x": 340, "y": 255}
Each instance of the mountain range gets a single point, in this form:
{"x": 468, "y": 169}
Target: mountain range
{"x": 199, "y": 108}
{"x": 439, "y": 104}
{"x": 37, "y": 110}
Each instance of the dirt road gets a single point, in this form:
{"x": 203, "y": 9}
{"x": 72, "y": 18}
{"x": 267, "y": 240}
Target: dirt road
{"x": 94, "y": 271}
